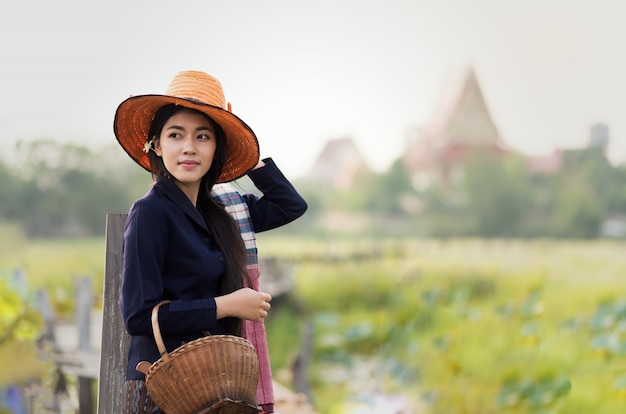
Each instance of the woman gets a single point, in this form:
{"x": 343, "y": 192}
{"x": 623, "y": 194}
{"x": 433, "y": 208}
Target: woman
{"x": 180, "y": 243}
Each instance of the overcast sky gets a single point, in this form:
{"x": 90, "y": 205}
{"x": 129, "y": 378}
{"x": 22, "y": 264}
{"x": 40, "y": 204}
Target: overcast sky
{"x": 303, "y": 72}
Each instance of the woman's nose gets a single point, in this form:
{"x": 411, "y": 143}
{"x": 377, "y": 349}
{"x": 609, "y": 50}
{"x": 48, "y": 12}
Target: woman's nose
{"x": 188, "y": 146}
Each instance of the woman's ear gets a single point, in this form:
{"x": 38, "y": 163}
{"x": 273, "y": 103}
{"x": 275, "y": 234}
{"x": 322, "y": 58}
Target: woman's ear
{"x": 157, "y": 146}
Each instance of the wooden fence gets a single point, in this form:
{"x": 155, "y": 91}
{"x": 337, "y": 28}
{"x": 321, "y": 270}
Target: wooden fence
{"x": 72, "y": 349}
{"x": 115, "y": 340}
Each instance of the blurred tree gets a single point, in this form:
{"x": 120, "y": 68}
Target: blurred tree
{"x": 584, "y": 191}
{"x": 65, "y": 189}
{"x": 497, "y": 193}
{"x": 383, "y": 192}
{"x": 87, "y": 198}
{"x": 579, "y": 209}
{"x": 616, "y": 200}
{"x": 9, "y": 193}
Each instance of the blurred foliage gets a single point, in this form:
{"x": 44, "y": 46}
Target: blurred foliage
{"x": 461, "y": 326}
{"x": 19, "y": 318}
{"x": 490, "y": 196}
{"x": 455, "y": 325}
{"x": 55, "y": 189}
{"x": 499, "y": 197}
{"x": 498, "y": 193}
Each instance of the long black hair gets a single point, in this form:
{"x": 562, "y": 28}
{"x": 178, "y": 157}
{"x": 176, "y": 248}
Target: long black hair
{"x": 224, "y": 231}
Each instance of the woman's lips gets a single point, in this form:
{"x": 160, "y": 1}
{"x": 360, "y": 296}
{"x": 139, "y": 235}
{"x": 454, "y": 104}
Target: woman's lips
{"x": 189, "y": 163}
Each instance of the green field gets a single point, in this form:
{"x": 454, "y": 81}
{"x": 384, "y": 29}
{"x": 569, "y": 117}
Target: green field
{"x": 471, "y": 326}
{"x": 456, "y": 326}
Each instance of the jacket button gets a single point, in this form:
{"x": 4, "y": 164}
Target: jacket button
{"x": 221, "y": 258}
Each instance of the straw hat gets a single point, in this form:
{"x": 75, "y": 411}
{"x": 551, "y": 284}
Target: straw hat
{"x": 195, "y": 90}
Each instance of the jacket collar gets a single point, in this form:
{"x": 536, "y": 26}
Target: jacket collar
{"x": 171, "y": 191}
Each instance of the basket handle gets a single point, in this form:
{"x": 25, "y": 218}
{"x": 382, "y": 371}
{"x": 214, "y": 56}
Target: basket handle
{"x": 157, "y": 331}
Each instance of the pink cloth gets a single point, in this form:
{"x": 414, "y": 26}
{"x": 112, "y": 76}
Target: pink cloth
{"x": 252, "y": 331}
{"x": 255, "y": 333}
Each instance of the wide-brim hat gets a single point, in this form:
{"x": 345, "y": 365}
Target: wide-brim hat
{"x": 195, "y": 90}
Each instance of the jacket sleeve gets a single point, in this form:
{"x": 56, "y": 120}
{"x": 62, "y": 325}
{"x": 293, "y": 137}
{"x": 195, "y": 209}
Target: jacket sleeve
{"x": 280, "y": 203}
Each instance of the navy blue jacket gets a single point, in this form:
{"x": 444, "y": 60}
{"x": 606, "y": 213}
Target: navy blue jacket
{"x": 169, "y": 255}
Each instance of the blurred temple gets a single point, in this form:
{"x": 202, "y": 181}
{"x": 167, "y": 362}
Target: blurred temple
{"x": 437, "y": 153}
{"x": 460, "y": 125}
{"x": 339, "y": 165}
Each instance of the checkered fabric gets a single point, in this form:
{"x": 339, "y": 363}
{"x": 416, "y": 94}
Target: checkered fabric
{"x": 252, "y": 331}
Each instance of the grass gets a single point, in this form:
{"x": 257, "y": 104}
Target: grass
{"x": 455, "y": 322}
{"x": 22, "y": 359}
{"x": 53, "y": 265}
{"x": 481, "y": 314}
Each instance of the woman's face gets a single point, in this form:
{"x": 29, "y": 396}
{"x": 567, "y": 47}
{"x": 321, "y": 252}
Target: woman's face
{"x": 187, "y": 145}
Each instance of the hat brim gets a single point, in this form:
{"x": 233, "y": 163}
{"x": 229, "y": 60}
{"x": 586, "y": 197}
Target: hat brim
{"x": 134, "y": 116}
{"x": 229, "y": 406}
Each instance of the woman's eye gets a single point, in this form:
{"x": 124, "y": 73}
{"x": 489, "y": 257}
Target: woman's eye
{"x": 204, "y": 137}
{"x": 174, "y": 135}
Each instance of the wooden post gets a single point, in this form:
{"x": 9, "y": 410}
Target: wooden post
{"x": 49, "y": 318}
{"x": 115, "y": 339}
{"x": 300, "y": 368}
{"x": 84, "y": 305}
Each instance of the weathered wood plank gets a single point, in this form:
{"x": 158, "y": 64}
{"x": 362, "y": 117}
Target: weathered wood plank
{"x": 115, "y": 340}
{"x": 84, "y": 364}
{"x": 84, "y": 304}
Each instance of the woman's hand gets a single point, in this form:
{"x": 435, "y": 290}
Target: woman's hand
{"x": 244, "y": 303}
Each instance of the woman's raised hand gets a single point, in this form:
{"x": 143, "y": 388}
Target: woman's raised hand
{"x": 244, "y": 303}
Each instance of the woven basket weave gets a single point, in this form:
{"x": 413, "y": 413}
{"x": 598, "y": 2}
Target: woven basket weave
{"x": 212, "y": 371}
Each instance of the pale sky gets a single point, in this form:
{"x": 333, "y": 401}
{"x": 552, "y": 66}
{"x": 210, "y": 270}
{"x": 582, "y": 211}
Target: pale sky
{"x": 303, "y": 72}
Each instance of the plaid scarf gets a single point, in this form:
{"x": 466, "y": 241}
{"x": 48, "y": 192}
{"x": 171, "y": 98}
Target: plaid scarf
{"x": 252, "y": 331}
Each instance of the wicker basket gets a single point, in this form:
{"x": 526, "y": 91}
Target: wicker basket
{"x": 212, "y": 374}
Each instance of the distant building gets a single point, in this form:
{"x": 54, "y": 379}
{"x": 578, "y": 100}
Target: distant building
{"x": 551, "y": 164}
{"x": 436, "y": 154}
{"x": 460, "y": 126}
{"x": 339, "y": 164}
{"x": 599, "y": 136}
{"x": 545, "y": 165}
